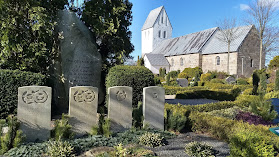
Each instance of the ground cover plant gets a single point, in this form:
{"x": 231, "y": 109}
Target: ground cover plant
{"x": 198, "y": 149}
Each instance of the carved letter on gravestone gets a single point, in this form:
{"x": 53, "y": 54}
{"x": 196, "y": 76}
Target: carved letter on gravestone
{"x": 120, "y": 108}
{"x": 83, "y": 108}
{"x": 34, "y": 112}
{"x": 153, "y": 106}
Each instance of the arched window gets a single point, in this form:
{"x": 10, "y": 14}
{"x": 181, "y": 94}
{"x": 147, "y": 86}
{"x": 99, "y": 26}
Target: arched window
{"x": 165, "y": 34}
{"x": 251, "y": 63}
{"x": 181, "y": 62}
{"x": 172, "y": 62}
{"x": 217, "y": 60}
{"x": 159, "y": 34}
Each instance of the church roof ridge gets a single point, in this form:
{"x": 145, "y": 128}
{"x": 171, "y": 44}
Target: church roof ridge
{"x": 152, "y": 17}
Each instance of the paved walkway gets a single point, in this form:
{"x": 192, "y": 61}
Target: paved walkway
{"x": 176, "y": 146}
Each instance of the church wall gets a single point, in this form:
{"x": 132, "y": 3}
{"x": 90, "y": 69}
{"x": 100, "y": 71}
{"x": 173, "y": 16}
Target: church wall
{"x": 209, "y": 62}
{"x": 147, "y": 41}
{"x": 154, "y": 69}
{"x": 189, "y": 61}
{"x": 250, "y": 49}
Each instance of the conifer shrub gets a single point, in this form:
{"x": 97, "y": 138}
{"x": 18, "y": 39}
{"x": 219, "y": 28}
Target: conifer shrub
{"x": 10, "y": 80}
{"x": 199, "y": 149}
{"x": 263, "y": 84}
{"x": 136, "y": 77}
{"x": 206, "y": 77}
{"x": 151, "y": 140}
{"x": 263, "y": 108}
{"x": 274, "y": 94}
{"x": 191, "y": 72}
{"x": 242, "y": 81}
{"x": 173, "y": 74}
{"x": 182, "y": 75}
{"x": 176, "y": 121}
{"x": 62, "y": 129}
{"x": 157, "y": 80}
{"x": 103, "y": 127}
{"x": 138, "y": 116}
{"x": 276, "y": 88}
{"x": 168, "y": 80}
{"x": 60, "y": 148}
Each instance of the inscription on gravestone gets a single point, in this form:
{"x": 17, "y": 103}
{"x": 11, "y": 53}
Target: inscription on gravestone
{"x": 83, "y": 108}
{"x": 34, "y": 112}
{"x": 120, "y": 108}
{"x": 153, "y": 107}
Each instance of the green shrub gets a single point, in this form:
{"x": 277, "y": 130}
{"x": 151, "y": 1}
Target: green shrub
{"x": 244, "y": 143}
{"x": 270, "y": 95}
{"x": 247, "y": 100}
{"x": 218, "y": 74}
{"x": 171, "y": 90}
{"x": 229, "y": 113}
{"x": 168, "y": 80}
{"x": 173, "y": 74}
{"x": 120, "y": 151}
{"x": 191, "y": 72}
{"x": 242, "y": 81}
{"x": 263, "y": 86}
{"x": 182, "y": 75}
{"x": 248, "y": 91}
{"x": 157, "y": 80}
{"x": 176, "y": 121}
{"x": 60, "y": 148}
{"x": 62, "y": 129}
{"x": 263, "y": 108}
{"x": 151, "y": 139}
{"x": 216, "y": 80}
{"x": 13, "y": 138}
{"x": 103, "y": 127}
{"x": 221, "y": 95}
{"x": 277, "y": 81}
{"x": 10, "y": 80}
{"x": 218, "y": 85}
{"x": 198, "y": 149}
{"x": 206, "y": 77}
{"x": 138, "y": 116}
{"x": 136, "y": 77}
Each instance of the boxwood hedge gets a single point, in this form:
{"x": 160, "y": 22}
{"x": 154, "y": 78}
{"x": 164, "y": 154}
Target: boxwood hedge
{"x": 10, "y": 80}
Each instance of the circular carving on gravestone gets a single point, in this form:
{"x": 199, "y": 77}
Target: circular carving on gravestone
{"x": 121, "y": 95}
{"x": 84, "y": 96}
{"x": 155, "y": 95}
{"x": 38, "y": 96}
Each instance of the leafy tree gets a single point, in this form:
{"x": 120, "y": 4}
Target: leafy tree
{"x": 140, "y": 61}
{"x": 27, "y": 33}
{"x": 274, "y": 63}
{"x": 109, "y": 20}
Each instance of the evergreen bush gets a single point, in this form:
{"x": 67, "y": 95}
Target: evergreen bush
{"x": 191, "y": 72}
{"x": 136, "y": 77}
{"x": 60, "y": 148}
{"x": 277, "y": 81}
{"x": 62, "y": 129}
{"x": 10, "y": 80}
{"x": 242, "y": 81}
{"x": 198, "y": 149}
{"x": 151, "y": 139}
{"x": 206, "y": 77}
{"x": 263, "y": 85}
{"x": 263, "y": 108}
{"x": 182, "y": 75}
{"x": 173, "y": 74}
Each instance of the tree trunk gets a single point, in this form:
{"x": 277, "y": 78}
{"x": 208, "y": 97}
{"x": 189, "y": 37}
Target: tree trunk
{"x": 261, "y": 53}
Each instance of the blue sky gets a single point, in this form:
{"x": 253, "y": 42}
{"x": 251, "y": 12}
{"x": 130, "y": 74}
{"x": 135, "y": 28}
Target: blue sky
{"x": 186, "y": 16}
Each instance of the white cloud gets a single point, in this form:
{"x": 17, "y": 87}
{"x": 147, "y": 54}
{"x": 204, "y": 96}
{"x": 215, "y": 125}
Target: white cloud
{"x": 244, "y": 7}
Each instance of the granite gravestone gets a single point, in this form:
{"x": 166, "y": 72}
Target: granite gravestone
{"x": 79, "y": 63}
{"x": 120, "y": 107}
{"x": 230, "y": 80}
{"x": 83, "y": 108}
{"x": 275, "y": 103}
{"x": 34, "y": 112}
{"x": 153, "y": 107}
{"x": 182, "y": 82}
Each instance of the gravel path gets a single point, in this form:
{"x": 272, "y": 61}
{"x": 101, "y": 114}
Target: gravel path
{"x": 175, "y": 147}
{"x": 190, "y": 101}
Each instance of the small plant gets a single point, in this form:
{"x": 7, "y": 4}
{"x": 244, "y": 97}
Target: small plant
{"x": 256, "y": 81}
{"x": 168, "y": 79}
{"x": 120, "y": 151}
{"x": 263, "y": 108}
{"x": 103, "y": 127}
{"x": 197, "y": 149}
{"x": 14, "y": 137}
{"x": 59, "y": 148}
{"x": 62, "y": 129}
{"x": 151, "y": 139}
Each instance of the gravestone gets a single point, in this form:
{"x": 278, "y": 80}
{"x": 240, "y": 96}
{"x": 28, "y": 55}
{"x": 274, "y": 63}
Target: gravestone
{"x": 120, "y": 107}
{"x": 34, "y": 112}
{"x": 153, "y": 107}
{"x": 83, "y": 108}
{"x": 230, "y": 80}
{"x": 182, "y": 82}
{"x": 275, "y": 103}
{"x": 79, "y": 63}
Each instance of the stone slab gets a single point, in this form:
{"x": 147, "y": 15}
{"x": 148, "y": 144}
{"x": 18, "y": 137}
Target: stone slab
{"x": 120, "y": 107}
{"x": 230, "y": 79}
{"x": 182, "y": 82}
{"x": 83, "y": 106}
{"x": 153, "y": 107}
{"x": 34, "y": 112}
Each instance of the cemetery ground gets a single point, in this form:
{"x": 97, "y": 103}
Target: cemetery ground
{"x": 136, "y": 120}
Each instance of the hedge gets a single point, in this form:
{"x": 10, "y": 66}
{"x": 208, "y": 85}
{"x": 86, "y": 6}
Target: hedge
{"x": 136, "y": 77}
{"x": 10, "y": 80}
{"x": 171, "y": 90}
{"x": 228, "y": 95}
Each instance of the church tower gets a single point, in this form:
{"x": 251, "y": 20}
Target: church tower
{"x": 156, "y": 28}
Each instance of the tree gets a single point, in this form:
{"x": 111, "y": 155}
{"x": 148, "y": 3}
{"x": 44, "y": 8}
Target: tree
{"x": 274, "y": 63}
{"x": 27, "y": 34}
{"x": 109, "y": 20}
{"x": 140, "y": 61}
{"x": 262, "y": 14}
{"x": 228, "y": 33}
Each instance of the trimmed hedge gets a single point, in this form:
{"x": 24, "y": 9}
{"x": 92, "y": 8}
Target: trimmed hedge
{"x": 10, "y": 80}
{"x": 171, "y": 90}
{"x": 229, "y": 95}
{"x": 136, "y": 77}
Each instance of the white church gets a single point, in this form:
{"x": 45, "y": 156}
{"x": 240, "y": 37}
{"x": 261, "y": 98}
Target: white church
{"x": 200, "y": 49}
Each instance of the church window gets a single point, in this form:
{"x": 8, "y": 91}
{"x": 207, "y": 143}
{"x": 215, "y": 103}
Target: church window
{"x": 162, "y": 18}
{"x": 159, "y": 34}
{"x": 217, "y": 60}
{"x": 172, "y": 62}
{"x": 251, "y": 63}
{"x": 165, "y": 34}
{"x": 166, "y": 21}
{"x": 181, "y": 62}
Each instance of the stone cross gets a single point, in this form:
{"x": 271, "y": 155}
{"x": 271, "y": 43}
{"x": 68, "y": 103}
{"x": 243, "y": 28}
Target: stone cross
{"x": 153, "y": 107}
{"x": 83, "y": 106}
{"x": 34, "y": 112}
{"x": 120, "y": 107}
